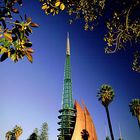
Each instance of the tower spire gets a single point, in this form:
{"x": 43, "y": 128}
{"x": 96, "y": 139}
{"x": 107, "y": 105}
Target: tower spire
{"x": 120, "y": 131}
{"x": 68, "y": 45}
{"x": 67, "y": 112}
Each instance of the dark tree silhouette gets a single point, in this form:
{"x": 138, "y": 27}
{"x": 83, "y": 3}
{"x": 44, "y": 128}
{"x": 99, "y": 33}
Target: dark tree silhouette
{"x": 105, "y": 96}
{"x": 85, "y": 134}
{"x": 135, "y": 109}
{"x": 33, "y": 136}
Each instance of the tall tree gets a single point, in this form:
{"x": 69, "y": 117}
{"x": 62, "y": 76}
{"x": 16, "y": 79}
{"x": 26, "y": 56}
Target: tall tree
{"x": 44, "y": 132}
{"x": 105, "y": 96}
{"x": 8, "y": 135}
{"x": 33, "y": 136}
{"x": 37, "y": 133}
{"x": 14, "y": 134}
{"x": 135, "y": 109}
{"x": 17, "y": 131}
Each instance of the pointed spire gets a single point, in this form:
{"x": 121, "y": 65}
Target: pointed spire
{"x": 120, "y": 131}
{"x": 106, "y": 133}
{"x": 68, "y": 45}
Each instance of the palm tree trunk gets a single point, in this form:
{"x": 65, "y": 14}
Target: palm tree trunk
{"x": 109, "y": 123}
{"x": 138, "y": 118}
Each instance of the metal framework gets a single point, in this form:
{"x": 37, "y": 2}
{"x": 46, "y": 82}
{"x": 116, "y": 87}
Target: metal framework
{"x": 67, "y": 113}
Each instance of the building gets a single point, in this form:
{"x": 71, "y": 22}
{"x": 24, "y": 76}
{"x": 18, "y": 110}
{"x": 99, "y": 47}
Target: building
{"x": 75, "y": 121}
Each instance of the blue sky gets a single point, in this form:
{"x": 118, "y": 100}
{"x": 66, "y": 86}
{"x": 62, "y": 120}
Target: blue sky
{"x": 30, "y": 94}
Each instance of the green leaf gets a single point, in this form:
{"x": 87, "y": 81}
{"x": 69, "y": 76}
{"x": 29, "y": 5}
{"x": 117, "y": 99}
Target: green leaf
{"x": 8, "y": 36}
{"x": 29, "y": 20}
{"x": 2, "y": 50}
{"x": 2, "y": 40}
{"x": 13, "y": 57}
{"x": 6, "y": 43}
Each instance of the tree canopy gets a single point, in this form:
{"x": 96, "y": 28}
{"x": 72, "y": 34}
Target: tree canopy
{"x": 14, "y": 35}
{"x": 121, "y": 19}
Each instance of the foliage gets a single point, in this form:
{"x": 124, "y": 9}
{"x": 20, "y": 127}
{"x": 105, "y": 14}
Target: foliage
{"x": 136, "y": 62}
{"x": 52, "y": 6}
{"x": 9, "y": 135}
{"x": 124, "y": 30}
{"x": 85, "y": 134}
{"x": 135, "y": 109}
{"x": 33, "y": 136}
{"x": 37, "y": 133}
{"x": 14, "y": 41}
{"x": 44, "y": 132}
{"x": 105, "y": 95}
{"x": 14, "y": 134}
{"x": 43, "y": 135}
{"x": 107, "y": 138}
{"x": 87, "y": 10}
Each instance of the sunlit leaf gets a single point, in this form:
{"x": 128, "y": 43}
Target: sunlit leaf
{"x": 62, "y": 6}
{"x": 34, "y": 25}
{"x": 8, "y": 36}
{"x": 2, "y": 50}
{"x": 28, "y": 20}
{"x": 44, "y": 6}
{"x": 13, "y": 57}
{"x": 57, "y": 3}
{"x": 30, "y": 50}
{"x": 29, "y": 57}
{"x": 2, "y": 40}
{"x": 15, "y": 10}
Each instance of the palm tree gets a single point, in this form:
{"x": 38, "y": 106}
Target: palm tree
{"x": 135, "y": 109}
{"x": 105, "y": 96}
{"x": 33, "y": 136}
{"x": 85, "y": 134}
{"x": 8, "y": 135}
{"x": 17, "y": 131}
